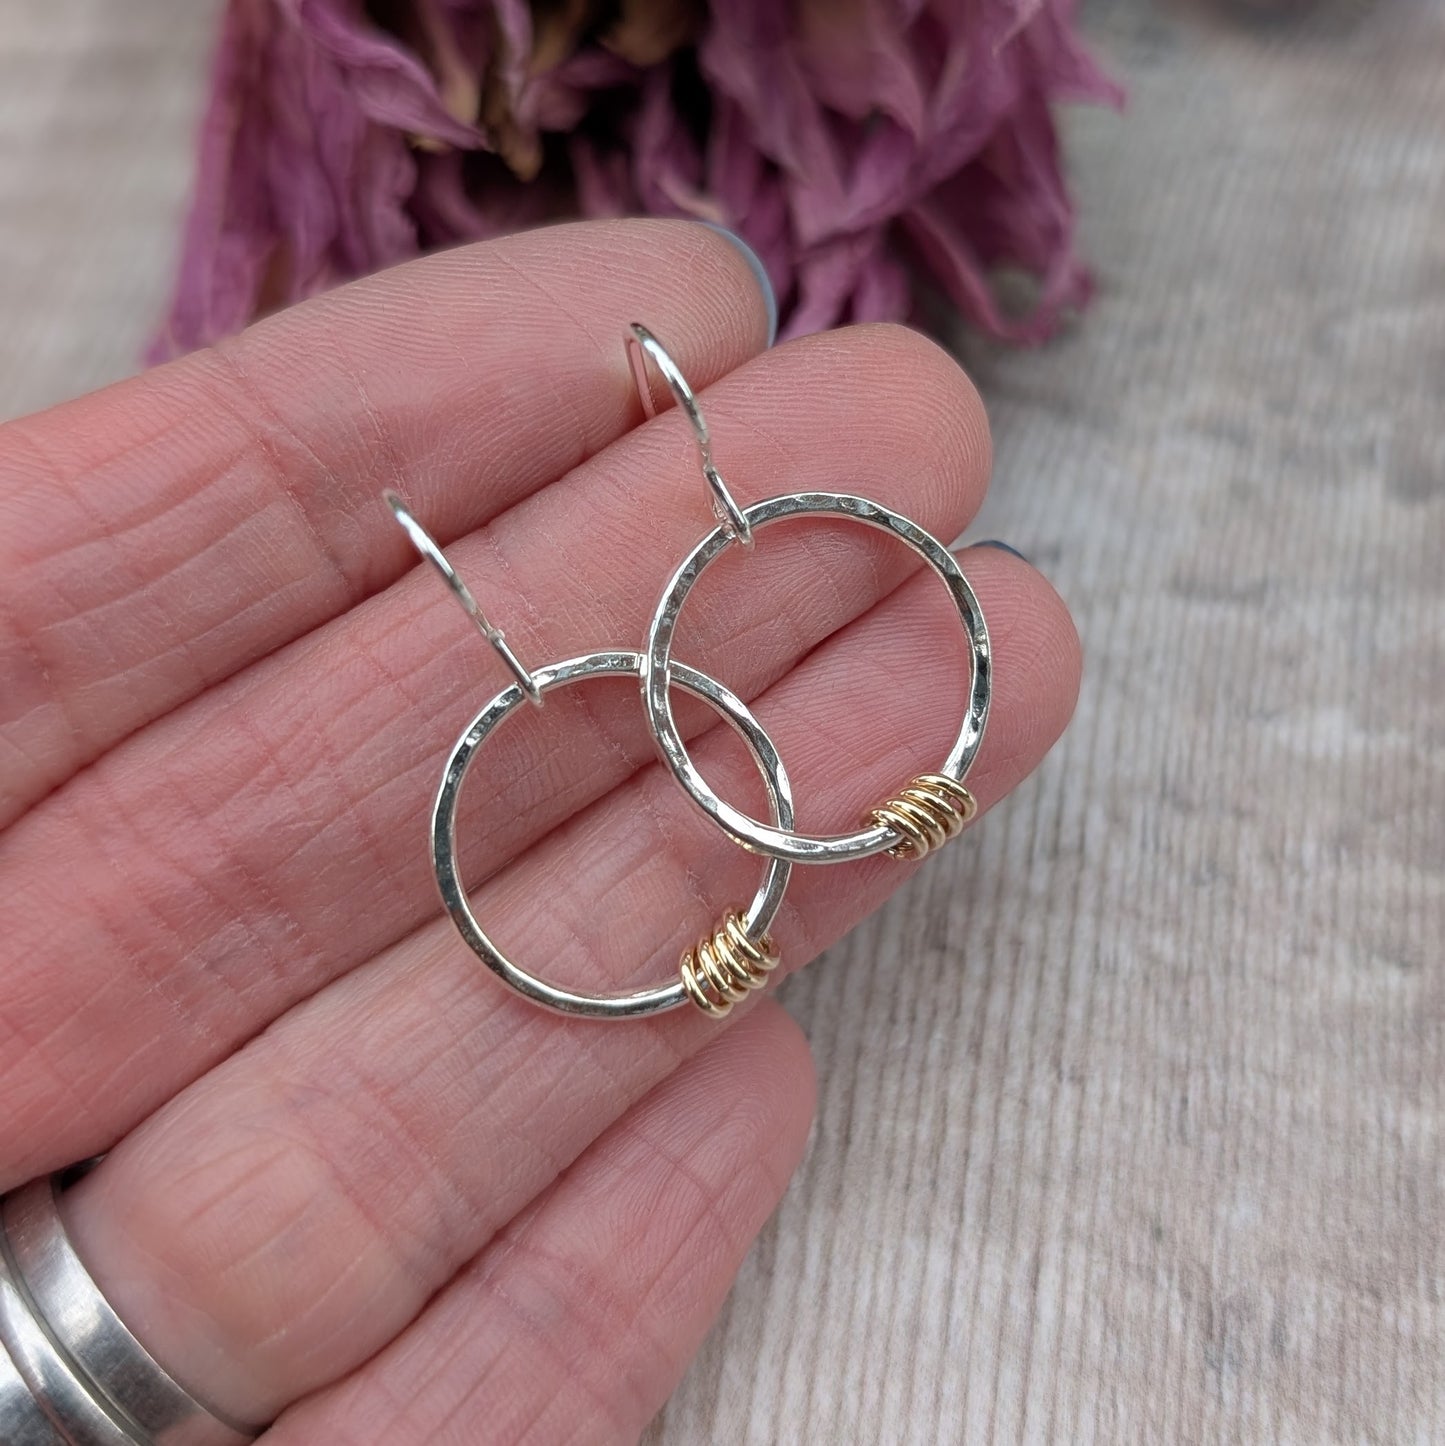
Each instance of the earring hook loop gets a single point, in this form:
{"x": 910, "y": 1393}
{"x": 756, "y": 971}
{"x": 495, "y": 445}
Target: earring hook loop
{"x": 642, "y": 344}
{"x": 428, "y": 547}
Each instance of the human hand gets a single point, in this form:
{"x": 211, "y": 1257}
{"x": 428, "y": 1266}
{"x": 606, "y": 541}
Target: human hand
{"x": 354, "y": 1185}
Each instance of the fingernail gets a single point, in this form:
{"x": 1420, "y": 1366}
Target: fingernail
{"x": 760, "y": 275}
{"x": 1003, "y": 547}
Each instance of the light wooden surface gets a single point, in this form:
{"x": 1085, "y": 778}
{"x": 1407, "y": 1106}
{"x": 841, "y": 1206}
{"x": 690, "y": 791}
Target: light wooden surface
{"x": 1131, "y": 1110}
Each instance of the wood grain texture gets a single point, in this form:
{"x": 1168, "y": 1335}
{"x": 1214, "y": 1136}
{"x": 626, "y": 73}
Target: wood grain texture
{"x": 1131, "y": 1108}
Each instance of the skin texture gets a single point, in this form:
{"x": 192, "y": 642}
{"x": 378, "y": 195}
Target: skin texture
{"x": 354, "y": 1185}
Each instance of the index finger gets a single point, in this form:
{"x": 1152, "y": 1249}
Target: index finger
{"x": 160, "y": 535}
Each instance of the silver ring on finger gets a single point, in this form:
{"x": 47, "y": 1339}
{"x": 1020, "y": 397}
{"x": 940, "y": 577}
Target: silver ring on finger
{"x": 69, "y": 1364}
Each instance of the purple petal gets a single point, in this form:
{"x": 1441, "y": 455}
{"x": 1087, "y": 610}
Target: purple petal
{"x": 384, "y": 82}
{"x": 839, "y": 137}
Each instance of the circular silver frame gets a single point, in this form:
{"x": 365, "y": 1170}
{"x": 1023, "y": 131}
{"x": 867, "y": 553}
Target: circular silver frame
{"x": 659, "y": 671}
{"x": 761, "y": 912}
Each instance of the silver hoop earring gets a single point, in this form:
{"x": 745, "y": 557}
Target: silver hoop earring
{"x": 933, "y": 807}
{"x": 720, "y": 969}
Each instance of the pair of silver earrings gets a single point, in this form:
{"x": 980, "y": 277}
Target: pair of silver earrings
{"x": 739, "y": 955}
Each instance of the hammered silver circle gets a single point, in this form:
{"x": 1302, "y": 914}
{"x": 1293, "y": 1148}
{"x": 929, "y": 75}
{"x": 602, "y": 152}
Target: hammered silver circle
{"x": 761, "y": 912}
{"x": 780, "y": 842}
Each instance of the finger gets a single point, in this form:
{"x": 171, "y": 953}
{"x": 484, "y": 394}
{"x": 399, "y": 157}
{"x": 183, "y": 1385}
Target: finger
{"x": 161, "y": 534}
{"x": 195, "y": 882}
{"x": 288, "y": 1214}
{"x": 589, "y": 1307}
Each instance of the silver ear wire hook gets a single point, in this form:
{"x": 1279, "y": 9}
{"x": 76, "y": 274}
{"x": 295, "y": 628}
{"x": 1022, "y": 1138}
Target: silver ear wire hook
{"x": 641, "y": 344}
{"x": 426, "y": 544}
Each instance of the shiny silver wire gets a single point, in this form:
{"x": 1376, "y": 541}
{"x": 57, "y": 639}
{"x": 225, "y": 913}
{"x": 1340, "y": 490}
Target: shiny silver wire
{"x": 642, "y": 344}
{"x": 427, "y": 545}
{"x": 657, "y": 667}
{"x": 761, "y": 912}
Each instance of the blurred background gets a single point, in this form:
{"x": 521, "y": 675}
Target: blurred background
{"x": 1130, "y": 1125}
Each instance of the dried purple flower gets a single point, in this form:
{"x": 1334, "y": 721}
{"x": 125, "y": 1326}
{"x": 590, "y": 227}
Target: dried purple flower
{"x": 851, "y": 142}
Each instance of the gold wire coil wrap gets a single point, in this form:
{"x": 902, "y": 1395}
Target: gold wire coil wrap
{"x": 931, "y": 810}
{"x": 721, "y": 969}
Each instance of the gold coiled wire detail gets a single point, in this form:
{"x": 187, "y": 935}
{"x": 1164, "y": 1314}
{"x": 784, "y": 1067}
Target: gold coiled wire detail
{"x": 931, "y": 810}
{"x": 721, "y": 969}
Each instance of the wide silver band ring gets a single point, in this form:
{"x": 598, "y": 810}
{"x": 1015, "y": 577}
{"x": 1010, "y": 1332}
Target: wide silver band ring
{"x": 69, "y": 1361}
{"x": 658, "y": 668}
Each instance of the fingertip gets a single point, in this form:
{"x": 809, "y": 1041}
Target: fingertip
{"x": 908, "y": 426}
{"x": 1002, "y": 547}
{"x": 1038, "y": 663}
{"x": 759, "y": 274}
{"x": 764, "y": 1065}
{"x": 1036, "y": 604}
{"x": 952, "y": 416}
